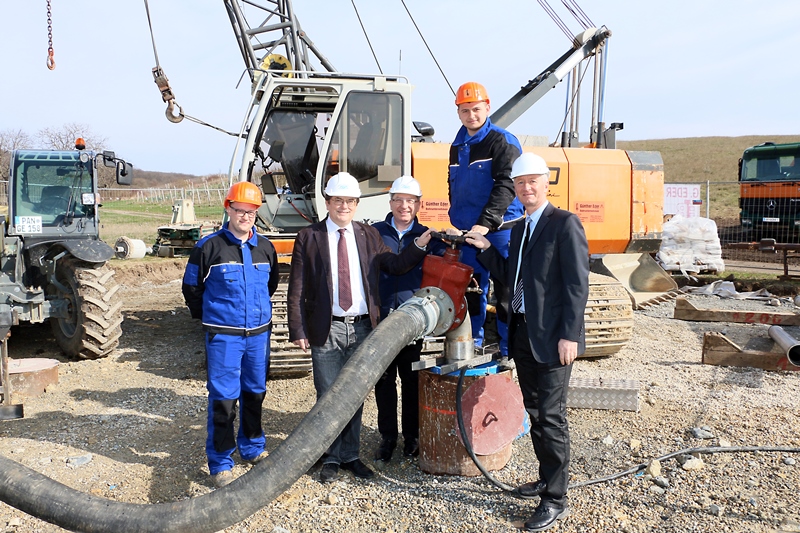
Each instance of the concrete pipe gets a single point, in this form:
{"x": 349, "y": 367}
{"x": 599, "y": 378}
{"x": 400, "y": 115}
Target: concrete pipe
{"x": 49, "y": 500}
{"x": 788, "y": 344}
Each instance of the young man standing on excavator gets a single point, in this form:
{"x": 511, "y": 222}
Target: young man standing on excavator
{"x": 229, "y": 280}
{"x": 482, "y": 196}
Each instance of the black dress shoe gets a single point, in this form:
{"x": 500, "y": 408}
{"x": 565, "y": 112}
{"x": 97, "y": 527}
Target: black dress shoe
{"x": 545, "y": 517}
{"x": 531, "y": 490}
{"x": 329, "y": 473}
{"x": 385, "y": 450}
{"x": 411, "y": 447}
{"x": 358, "y": 469}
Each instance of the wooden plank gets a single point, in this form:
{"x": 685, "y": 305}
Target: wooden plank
{"x": 721, "y": 351}
{"x": 684, "y": 310}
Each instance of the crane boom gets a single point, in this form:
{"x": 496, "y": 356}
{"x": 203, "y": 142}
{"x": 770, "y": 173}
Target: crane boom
{"x": 278, "y": 33}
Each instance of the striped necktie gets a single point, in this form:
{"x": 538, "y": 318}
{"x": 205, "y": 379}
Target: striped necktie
{"x": 516, "y": 301}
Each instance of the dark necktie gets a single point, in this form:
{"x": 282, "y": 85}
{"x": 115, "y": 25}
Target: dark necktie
{"x": 345, "y": 294}
{"x": 516, "y": 302}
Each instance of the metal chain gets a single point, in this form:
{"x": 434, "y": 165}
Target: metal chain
{"x": 51, "y": 63}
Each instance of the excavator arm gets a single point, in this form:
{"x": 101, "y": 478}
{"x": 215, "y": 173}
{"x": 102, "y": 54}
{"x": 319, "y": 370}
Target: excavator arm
{"x": 586, "y": 45}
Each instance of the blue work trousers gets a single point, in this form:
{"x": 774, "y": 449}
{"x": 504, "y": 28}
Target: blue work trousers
{"x": 237, "y": 373}
{"x": 499, "y": 240}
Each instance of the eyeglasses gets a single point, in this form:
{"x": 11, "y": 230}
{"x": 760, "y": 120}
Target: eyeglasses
{"x": 244, "y": 212}
{"x": 350, "y": 202}
{"x": 532, "y": 181}
{"x": 409, "y": 201}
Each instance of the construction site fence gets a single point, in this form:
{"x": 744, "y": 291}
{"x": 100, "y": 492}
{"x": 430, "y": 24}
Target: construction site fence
{"x": 168, "y": 196}
{"x": 717, "y": 200}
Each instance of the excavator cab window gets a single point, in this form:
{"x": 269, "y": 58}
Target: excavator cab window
{"x": 367, "y": 140}
{"x": 289, "y": 140}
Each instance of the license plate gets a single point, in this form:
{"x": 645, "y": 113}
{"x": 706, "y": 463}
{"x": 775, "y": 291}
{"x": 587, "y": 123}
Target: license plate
{"x": 28, "y": 224}
{"x": 770, "y": 219}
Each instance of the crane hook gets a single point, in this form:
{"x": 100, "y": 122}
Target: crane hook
{"x": 171, "y": 116}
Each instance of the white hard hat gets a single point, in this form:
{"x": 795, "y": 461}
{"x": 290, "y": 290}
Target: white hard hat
{"x": 343, "y": 184}
{"x": 406, "y": 185}
{"x": 529, "y": 164}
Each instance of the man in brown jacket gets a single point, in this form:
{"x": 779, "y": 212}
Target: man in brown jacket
{"x": 333, "y": 301}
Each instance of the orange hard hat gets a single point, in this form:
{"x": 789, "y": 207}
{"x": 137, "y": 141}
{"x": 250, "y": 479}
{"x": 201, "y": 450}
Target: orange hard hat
{"x": 245, "y": 192}
{"x": 471, "y": 92}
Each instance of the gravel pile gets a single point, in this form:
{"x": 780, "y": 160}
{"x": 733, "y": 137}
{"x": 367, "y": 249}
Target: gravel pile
{"x": 131, "y": 428}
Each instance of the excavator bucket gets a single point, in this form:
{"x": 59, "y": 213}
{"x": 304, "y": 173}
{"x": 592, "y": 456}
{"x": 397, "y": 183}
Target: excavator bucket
{"x": 642, "y": 277}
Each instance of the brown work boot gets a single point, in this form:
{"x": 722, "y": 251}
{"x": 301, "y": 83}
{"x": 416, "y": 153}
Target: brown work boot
{"x": 220, "y": 479}
{"x": 258, "y": 458}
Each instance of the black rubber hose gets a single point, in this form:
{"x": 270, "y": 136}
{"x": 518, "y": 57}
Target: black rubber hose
{"x": 465, "y": 437}
{"x": 48, "y": 500}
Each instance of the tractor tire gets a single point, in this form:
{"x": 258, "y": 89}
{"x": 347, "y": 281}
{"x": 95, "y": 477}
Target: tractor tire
{"x": 94, "y": 323}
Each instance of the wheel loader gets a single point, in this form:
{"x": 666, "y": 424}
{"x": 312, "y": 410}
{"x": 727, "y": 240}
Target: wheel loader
{"x": 53, "y": 265}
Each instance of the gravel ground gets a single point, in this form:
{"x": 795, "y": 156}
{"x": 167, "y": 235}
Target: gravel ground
{"x": 131, "y": 428}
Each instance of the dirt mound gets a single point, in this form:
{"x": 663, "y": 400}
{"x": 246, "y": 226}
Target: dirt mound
{"x": 135, "y": 272}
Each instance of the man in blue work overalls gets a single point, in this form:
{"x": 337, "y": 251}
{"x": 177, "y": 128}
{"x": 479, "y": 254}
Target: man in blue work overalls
{"x": 229, "y": 280}
{"x": 482, "y": 196}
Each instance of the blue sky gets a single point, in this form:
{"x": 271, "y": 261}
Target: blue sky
{"x": 676, "y": 69}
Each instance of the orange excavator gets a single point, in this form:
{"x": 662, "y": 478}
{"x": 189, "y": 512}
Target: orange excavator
{"x": 306, "y": 121}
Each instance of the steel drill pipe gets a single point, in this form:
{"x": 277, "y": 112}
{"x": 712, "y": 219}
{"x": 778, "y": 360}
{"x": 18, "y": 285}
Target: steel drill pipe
{"x": 788, "y": 344}
{"x": 49, "y": 500}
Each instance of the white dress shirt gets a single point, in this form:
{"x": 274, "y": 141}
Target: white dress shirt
{"x": 531, "y": 220}
{"x": 359, "y": 306}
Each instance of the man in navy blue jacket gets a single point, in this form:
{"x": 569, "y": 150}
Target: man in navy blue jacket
{"x": 229, "y": 280}
{"x": 398, "y": 231}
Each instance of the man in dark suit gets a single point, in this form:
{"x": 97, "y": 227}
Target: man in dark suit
{"x": 549, "y": 274}
{"x": 333, "y": 300}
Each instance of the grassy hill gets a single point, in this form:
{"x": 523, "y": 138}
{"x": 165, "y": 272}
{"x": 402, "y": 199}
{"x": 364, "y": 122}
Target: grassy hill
{"x": 701, "y": 159}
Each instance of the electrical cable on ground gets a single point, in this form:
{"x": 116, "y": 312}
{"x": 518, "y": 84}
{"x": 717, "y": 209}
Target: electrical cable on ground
{"x": 633, "y": 470}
